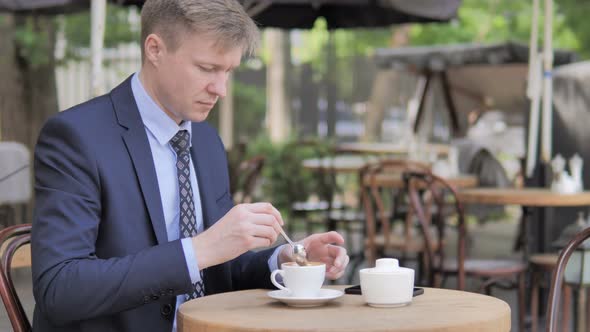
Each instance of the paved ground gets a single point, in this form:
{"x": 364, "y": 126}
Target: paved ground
{"x": 492, "y": 239}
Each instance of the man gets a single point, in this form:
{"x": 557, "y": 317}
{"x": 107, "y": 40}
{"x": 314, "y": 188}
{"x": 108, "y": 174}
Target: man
{"x": 133, "y": 212}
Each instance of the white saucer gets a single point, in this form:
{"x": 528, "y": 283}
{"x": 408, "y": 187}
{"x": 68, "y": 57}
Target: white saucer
{"x": 324, "y": 296}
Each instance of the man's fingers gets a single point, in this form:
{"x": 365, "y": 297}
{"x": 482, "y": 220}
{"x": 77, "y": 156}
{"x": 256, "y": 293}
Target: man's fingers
{"x": 261, "y": 231}
{"x": 340, "y": 261}
{"x": 338, "y": 254}
{"x": 265, "y": 208}
{"x": 267, "y": 220}
{"x": 260, "y": 242}
{"x": 331, "y": 237}
{"x": 335, "y": 272}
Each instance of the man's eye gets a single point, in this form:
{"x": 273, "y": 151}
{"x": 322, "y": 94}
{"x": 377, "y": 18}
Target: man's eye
{"x": 206, "y": 69}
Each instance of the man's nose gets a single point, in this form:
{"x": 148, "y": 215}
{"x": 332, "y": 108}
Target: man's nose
{"x": 219, "y": 86}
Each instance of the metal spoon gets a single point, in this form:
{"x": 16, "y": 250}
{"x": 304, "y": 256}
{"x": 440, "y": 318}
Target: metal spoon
{"x": 299, "y": 253}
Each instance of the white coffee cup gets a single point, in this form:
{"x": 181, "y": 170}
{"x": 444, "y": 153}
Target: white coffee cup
{"x": 300, "y": 281}
{"x": 387, "y": 284}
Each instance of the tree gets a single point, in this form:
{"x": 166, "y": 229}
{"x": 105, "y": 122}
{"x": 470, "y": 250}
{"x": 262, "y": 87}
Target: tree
{"x": 28, "y": 92}
{"x": 485, "y": 21}
{"x": 574, "y": 14}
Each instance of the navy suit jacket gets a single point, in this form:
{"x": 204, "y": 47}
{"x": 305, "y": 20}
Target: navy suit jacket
{"x": 101, "y": 260}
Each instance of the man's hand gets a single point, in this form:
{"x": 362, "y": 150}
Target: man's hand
{"x": 244, "y": 227}
{"x": 325, "y": 248}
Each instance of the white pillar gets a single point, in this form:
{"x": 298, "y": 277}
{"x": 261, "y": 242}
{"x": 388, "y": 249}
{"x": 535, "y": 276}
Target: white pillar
{"x": 547, "y": 131}
{"x": 278, "y": 113}
{"x": 98, "y": 17}
{"x": 226, "y": 116}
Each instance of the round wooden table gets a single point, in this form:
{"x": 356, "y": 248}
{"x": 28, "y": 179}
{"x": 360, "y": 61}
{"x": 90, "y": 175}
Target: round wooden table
{"x": 393, "y": 180}
{"x": 527, "y": 198}
{"x": 390, "y": 148}
{"x": 540, "y": 197}
{"x": 339, "y": 164}
{"x": 435, "y": 310}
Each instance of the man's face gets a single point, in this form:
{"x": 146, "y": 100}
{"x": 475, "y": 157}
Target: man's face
{"x": 189, "y": 80}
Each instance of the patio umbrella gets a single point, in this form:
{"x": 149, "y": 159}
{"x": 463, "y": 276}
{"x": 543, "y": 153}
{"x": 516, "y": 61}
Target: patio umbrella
{"x": 301, "y": 14}
{"x": 54, "y": 7}
{"x": 472, "y": 74}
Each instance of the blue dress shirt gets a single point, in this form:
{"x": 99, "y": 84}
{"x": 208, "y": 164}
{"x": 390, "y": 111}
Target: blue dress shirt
{"x": 160, "y": 129}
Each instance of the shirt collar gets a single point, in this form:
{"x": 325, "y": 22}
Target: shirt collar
{"x": 153, "y": 117}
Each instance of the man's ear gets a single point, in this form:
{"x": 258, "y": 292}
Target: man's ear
{"x": 154, "y": 48}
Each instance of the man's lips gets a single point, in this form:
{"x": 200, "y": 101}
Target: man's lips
{"x": 210, "y": 104}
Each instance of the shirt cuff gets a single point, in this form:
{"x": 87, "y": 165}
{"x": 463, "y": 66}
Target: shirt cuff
{"x": 273, "y": 261}
{"x": 191, "y": 260}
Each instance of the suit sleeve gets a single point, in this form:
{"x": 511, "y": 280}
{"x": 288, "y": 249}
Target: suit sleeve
{"x": 70, "y": 282}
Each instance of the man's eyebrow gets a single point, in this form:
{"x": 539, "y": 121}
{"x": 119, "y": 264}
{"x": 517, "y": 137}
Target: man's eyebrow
{"x": 214, "y": 65}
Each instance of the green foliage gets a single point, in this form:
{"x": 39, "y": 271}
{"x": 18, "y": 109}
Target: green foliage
{"x": 575, "y": 15}
{"x": 485, "y": 21}
{"x": 32, "y": 42}
{"x": 284, "y": 179}
{"x": 250, "y": 109}
{"x": 118, "y": 29}
{"x": 479, "y": 21}
{"x": 310, "y": 46}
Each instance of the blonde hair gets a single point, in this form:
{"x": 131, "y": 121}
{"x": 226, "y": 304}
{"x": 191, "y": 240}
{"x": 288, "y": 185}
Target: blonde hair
{"x": 225, "y": 20}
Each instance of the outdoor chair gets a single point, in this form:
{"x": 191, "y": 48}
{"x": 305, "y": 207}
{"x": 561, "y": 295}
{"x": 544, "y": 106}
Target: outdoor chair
{"x": 557, "y": 280}
{"x": 383, "y": 203}
{"x": 248, "y": 174}
{"x": 311, "y": 201}
{"x": 540, "y": 266}
{"x": 315, "y": 193}
{"x": 505, "y": 273}
{"x": 11, "y": 239}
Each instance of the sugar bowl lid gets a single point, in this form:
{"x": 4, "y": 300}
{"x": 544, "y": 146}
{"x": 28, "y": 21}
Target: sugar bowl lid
{"x": 389, "y": 266}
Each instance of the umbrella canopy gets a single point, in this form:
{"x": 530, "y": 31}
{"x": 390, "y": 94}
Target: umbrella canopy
{"x": 477, "y": 77}
{"x": 301, "y": 14}
{"x": 43, "y": 6}
{"x": 444, "y": 57}
{"x": 291, "y": 14}
{"x": 52, "y": 7}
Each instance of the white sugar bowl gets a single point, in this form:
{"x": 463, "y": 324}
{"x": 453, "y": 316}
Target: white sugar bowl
{"x": 387, "y": 284}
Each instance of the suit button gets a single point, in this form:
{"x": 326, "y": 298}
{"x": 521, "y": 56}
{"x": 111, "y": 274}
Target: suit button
{"x": 170, "y": 291}
{"x": 155, "y": 297}
{"x": 146, "y": 299}
{"x": 166, "y": 310}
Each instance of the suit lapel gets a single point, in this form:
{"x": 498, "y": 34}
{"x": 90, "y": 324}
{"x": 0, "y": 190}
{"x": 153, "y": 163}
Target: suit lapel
{"x": 137, "y": 144}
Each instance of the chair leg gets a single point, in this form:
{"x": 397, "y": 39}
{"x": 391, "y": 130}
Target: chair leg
{"x": 348, "y": 230}
{"x": 23, "y": 215}
{"x": 420, "y": 267}
{"x": 567, "y": 303}
{"x": 521, "y": 301}
{"x": 587, "y": 310}
{"x": 355, "y": 262}
{"x": 535, "y": 301}
{"x": 438, "y": 279}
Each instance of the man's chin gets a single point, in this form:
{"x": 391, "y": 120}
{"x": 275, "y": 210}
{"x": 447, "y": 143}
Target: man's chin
{"x": 199, "y": 116}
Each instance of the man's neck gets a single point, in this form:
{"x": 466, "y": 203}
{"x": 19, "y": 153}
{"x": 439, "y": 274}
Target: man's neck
{"x": 146, "y": 82}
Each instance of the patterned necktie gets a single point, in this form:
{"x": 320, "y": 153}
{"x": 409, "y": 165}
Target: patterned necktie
{"x": 187, "y": 219}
